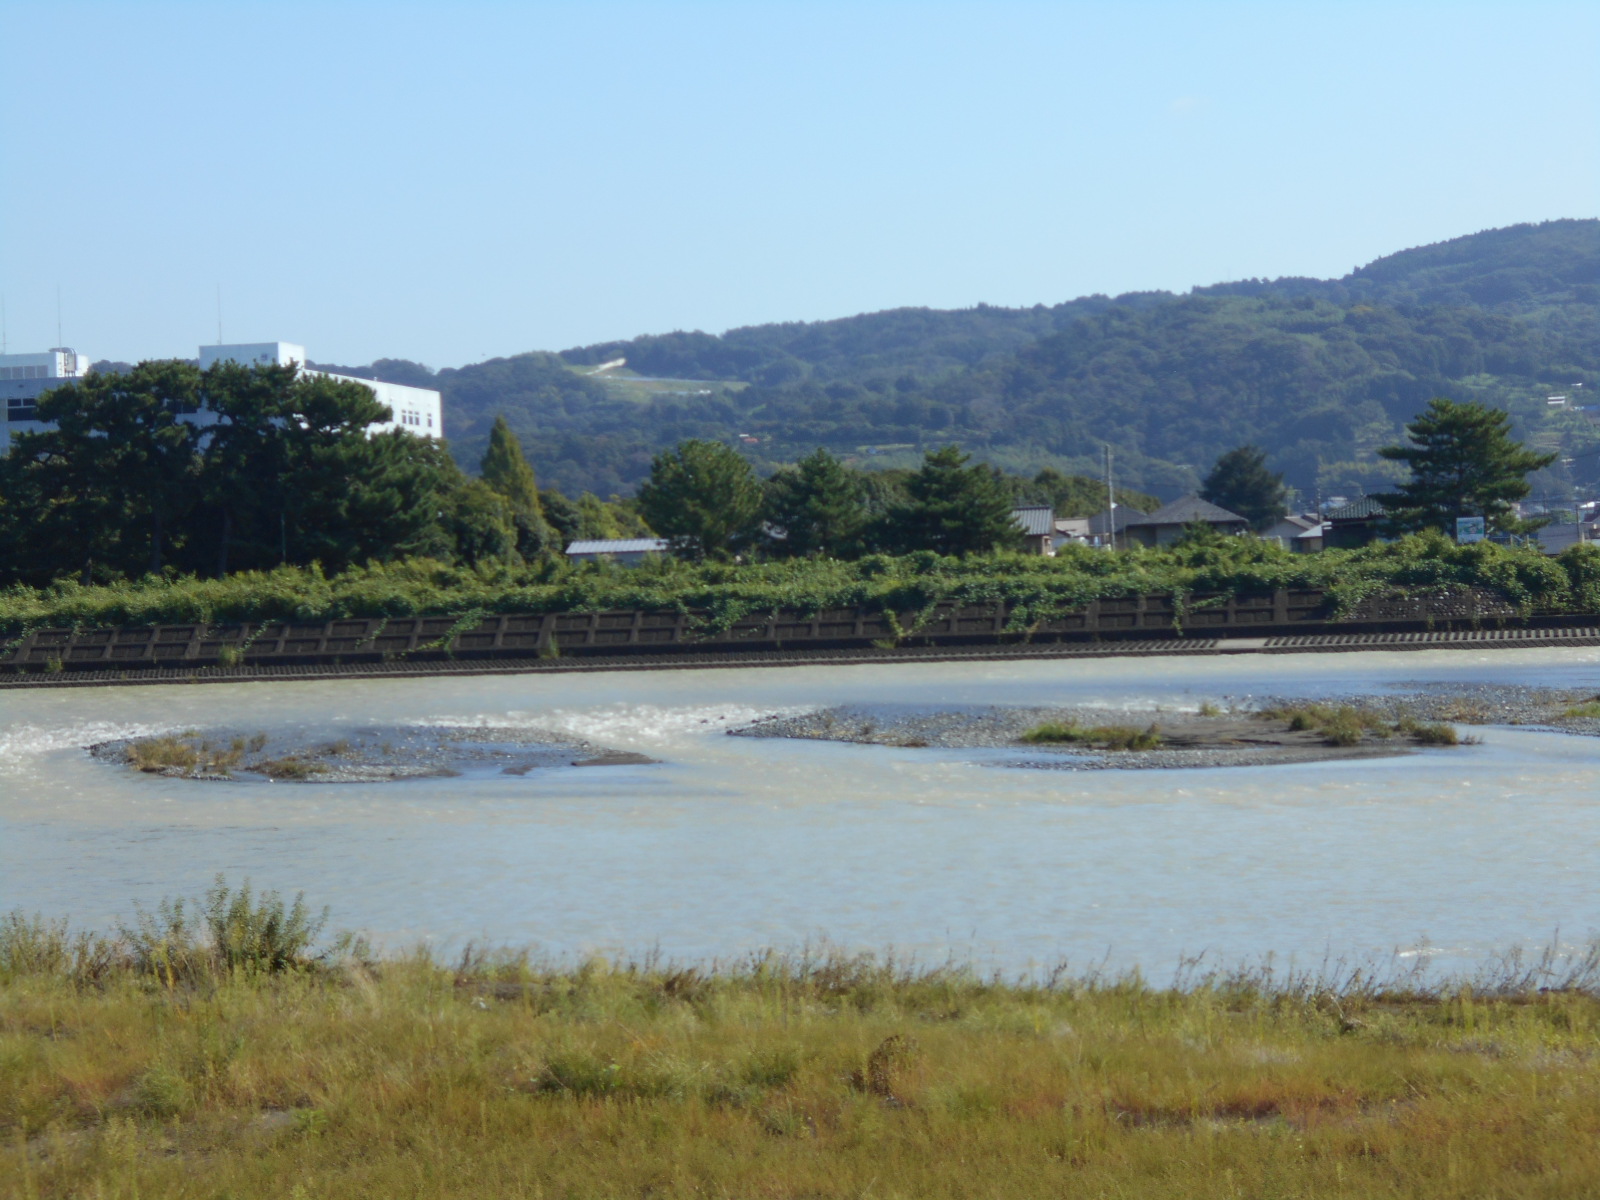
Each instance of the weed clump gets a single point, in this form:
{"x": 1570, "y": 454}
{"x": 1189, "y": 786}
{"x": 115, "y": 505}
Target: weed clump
{"x": 191, "y": 755}
{"x": 290, "y": 767}
{"x": 1345, "y": 729}
{"x": 185, "y": 754}
{"x": 1100, "y": 737}
{"x": 1429, "y": 733}
{"x": 230, "y": 930}
{"x": 884, "y": 1065}
{"x": 1346, "y": 725}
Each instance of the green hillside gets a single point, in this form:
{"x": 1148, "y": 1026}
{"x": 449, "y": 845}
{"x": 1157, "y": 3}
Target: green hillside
{"x": 1318, "y": 372}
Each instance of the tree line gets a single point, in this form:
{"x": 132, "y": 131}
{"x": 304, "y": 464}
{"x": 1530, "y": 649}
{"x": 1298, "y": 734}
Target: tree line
{"x": 165, "y": 468}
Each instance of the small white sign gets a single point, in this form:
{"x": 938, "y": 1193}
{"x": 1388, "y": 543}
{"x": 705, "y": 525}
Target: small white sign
{"x": 1471, "y": 529}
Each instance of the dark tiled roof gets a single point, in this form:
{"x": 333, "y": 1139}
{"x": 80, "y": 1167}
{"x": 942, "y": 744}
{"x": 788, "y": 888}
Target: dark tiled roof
{"x": 1189, "y": 510}
{"x": 1037, "y": 520}
{"x": 1361, "y": 510}
{"x": 1100, "y": 524}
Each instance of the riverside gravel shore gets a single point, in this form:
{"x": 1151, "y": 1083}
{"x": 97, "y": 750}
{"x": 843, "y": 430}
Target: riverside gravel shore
{"x": 1214, "y": 734}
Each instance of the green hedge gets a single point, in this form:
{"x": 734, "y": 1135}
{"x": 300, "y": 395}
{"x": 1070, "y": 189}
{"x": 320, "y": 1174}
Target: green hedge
{"x": 1035, "y": 587}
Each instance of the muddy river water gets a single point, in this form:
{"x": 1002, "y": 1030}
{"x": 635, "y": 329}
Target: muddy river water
{"x": 728, "y": 844}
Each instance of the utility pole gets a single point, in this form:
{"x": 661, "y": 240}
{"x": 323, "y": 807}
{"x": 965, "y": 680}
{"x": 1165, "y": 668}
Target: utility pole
{"x": 1111, "y": 504}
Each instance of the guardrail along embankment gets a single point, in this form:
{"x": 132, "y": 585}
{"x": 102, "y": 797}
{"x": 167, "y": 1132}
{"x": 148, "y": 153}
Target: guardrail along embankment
{"x": 1283, "y": 620}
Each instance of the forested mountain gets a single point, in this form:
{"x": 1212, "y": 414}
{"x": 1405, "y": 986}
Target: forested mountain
{"x": 1320, "y": 373}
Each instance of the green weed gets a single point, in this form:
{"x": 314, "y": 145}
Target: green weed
{"x": 1102, "y": 737}
{"x": 1347, "y": 725}
{"x": 187, "y": 753}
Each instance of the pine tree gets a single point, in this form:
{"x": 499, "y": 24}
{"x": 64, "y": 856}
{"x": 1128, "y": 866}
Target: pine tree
{"x": 954, "y": 508}
{"x": 818, "y": 506}
{"x": 507, "y": 471}
{"x": 704, "y": 497}
{"x": 1464, "y": 463}
{"x": 1241, "y": 483}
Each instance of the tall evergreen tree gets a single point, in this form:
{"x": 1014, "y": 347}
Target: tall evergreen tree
{"x": 113, "y": 482}
{"x": 704, "y": 497}
{"x": 507, "y": 471}
{"x": 1241, "y": 483}
{"x": 1464, "y": 463}
{"x": 954, "y": 508}
{"x": 244, "y": 465}
{"x": 819, "y": 507}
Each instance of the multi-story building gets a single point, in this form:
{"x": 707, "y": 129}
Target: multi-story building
{"x": 416, "y": 410}
{"x": 25, "y": 377}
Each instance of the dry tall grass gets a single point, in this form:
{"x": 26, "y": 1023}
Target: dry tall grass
{"x": 813, "y": 1076}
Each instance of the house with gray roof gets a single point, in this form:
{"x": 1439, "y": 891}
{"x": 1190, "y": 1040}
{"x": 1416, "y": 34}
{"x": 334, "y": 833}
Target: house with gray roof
{"x": 1097, "y": 530}
{"x": 1167, "y": 523}
{"x": 1354, "y": 524}
{"x": 1038, "y": 525}
{"x": 1300, "y": 532}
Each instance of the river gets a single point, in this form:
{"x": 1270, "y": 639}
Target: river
{"x": 732, "y": 844}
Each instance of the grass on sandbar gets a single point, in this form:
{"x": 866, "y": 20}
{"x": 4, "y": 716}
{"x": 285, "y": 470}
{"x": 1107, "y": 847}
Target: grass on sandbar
{"x": 1346, "y": 725}
{"x": 193, "y": 754}
{"x": 159, "y": 1064}
{"x": 1100, "y": 737}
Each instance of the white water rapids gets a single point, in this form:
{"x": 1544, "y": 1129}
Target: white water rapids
{"x": 732, "y": 844}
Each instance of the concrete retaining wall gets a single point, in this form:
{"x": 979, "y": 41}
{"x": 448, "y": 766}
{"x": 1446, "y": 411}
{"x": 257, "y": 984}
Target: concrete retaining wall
{"x": 643, "y": 633}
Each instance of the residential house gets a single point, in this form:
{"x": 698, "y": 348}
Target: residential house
{"x": 1167, "y": 523}
{"x": 1097, "y": 530}
{"x": 1071, "y": 529}
{"x": 1038, "y": 525}
{"x": 1354, "y": 525}
{"x": 1299, "y": 532}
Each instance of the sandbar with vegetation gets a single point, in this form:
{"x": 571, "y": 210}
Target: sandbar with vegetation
{"x": 1207, "y": 734}
{"x": 366, "y": 755}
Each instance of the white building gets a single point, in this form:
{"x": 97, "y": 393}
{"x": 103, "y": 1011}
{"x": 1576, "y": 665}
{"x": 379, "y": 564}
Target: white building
{"x": 416, "y": 410}
{"x": 24, "y": 377}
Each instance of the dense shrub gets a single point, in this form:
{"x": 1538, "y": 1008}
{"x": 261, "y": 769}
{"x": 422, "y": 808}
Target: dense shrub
{"x": 1035, "y": 587}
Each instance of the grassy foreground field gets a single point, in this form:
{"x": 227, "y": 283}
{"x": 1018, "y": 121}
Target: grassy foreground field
{"x": 156, "y": 1068}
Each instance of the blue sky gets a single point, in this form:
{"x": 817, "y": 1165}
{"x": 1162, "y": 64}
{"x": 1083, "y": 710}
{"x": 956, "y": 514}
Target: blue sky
{"x": 450, "y": 183}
